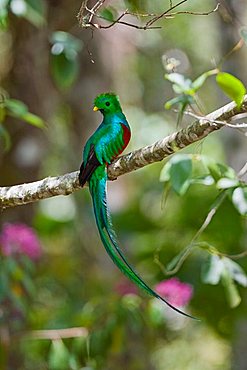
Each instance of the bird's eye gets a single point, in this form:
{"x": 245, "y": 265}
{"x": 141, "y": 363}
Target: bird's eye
{"x": 107, "y": 103}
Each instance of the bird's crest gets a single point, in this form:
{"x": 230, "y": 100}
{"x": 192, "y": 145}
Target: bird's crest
{"x": 107, "y": 103}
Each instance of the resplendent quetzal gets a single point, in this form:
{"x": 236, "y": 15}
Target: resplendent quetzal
{"x": 107, "y": 142}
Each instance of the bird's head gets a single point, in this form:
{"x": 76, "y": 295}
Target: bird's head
{"x": 107, "y": 103}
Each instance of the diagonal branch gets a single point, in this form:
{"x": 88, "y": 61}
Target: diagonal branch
{"x": 66, "y": 184}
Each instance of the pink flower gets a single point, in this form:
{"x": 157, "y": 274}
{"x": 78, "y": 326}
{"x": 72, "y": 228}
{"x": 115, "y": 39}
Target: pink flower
{"x": 124, "y": 287}
{"x": 177, "y": 293}
{"x": 21, "y": 239}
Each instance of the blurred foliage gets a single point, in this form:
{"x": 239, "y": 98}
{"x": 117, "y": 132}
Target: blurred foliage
{"x": 160, "y": 223}
{"x": 187, "y": 89}
{"x": 16, "y": 108}
{"x": 64, "y": 59}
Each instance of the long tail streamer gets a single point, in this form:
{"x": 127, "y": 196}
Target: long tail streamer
{"x": 98, "y": 192}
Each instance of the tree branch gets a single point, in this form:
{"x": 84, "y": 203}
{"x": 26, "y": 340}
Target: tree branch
{"x": 86, "y": 16}
{"x": 64, "y": 185}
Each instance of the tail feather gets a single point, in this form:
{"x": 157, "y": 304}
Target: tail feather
{"x": 97, "y": 186}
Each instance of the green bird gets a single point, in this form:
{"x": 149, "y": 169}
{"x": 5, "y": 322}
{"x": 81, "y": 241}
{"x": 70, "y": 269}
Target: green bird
{"x": 107, "y": 142}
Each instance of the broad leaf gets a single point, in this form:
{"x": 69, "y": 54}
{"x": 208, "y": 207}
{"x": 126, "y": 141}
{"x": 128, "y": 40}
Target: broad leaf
{"x": 232, "y": 87}
{"x": 34, "y": 120}
{"x": 64, "y": 70}
{"x": 64, "y": 59}
{"x": 16, "y": 107}
{"x": 58, "y": 356}
{"x": 218, "y": 170}
{"x": 165, "y": 172}
{"x": 32, "y": 10}
{"x": 180, "y": 173}
{"x": 109, "y": 14}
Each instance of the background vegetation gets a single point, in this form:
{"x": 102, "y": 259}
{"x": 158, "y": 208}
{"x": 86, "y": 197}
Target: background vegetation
{"x": 55, "y": 273}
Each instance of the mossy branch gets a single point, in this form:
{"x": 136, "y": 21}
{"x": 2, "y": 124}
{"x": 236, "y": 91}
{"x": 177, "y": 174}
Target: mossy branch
{"x": 66, "y": 184}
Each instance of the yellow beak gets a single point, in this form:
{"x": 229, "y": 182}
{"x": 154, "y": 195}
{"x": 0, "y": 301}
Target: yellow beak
{"x": 95, "y": 109}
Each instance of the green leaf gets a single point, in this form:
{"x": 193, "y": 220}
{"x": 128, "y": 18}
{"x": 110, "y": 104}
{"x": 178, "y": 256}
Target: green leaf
{"x": 2, "y": 112}
{"x": 34, "y": 120}
{"x": 3, "y": 14}
{"x": 6, "y": 138}
{"x": 226, "y": 183}
{"x": 197, "y": 83}
{"x": 19, "y": 110}
{"x": 212, "y": 270}
{"x": 155, "y": 313}
{"x": 182, "y": 100}
{"x": 232, "y": 87}
{"x": 16, "y": 107}
{"x": 109, "y": 14}
{"x": 58, "y": 356}
{"x": 64, "y": 60}
{"x": 218, "y": 170}
{"x": 165, "y": 172}
{"x": 64, "y": 70}
{"x": 211, "y": 165}
{"x": 180, "y": 173}
{"x": 32, "y": 10}
{"x": 239, "y": 199}
{"x": 171, "y": 102}
{"x": 243, "y": 33}
{"x": 231, "y": 290}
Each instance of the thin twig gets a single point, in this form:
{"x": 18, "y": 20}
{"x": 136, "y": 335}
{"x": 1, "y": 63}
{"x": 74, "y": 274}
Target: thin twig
{"x": 155, "y": 19}
{"x": 196, "y": 13}
{"x": 86, "y": 15}
{"x": 234, "y": 256}
{"x": 224, "y": 123}
{"x": 243, "y": 171}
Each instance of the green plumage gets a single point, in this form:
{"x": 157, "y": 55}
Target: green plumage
{"x": 108, "y": 141}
